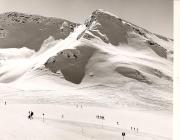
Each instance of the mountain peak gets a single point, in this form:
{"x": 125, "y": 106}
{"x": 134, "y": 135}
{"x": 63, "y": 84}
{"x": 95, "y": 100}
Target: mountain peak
{"x": 108, "y": 27}
{"x": 103, "y": 12}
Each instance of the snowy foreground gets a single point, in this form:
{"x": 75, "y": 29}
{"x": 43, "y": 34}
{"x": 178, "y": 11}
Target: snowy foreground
{"x": 81, "y": 123}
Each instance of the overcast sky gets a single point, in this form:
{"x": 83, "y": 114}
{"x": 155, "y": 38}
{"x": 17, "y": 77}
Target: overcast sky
{"x": 154, "y": 15}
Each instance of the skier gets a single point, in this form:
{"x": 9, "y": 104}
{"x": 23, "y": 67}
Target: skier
{"x": 31, "y": 115}
{"x": 43, "y": 116}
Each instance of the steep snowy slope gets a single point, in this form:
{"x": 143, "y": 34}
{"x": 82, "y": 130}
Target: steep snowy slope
{"x": 111, "y": 39}
{"x": 111, "y": 29}
{"x": 107, "y": 61}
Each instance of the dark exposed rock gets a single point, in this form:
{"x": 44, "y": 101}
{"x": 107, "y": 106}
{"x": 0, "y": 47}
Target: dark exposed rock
{"x": 159, "y": 50}
{"x": 71, "y": 62}
{"x": 109, "y": 26}
{"x": 132, "y": 73}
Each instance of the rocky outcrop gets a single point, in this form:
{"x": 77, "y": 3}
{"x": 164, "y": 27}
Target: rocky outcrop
{"x": 71, "y": 62}
{"x": 107, "y": 27}
{"x": 132, "y": 73}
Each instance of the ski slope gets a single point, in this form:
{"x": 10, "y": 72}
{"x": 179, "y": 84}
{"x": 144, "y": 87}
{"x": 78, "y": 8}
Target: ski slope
{"x": 80, "y": 123}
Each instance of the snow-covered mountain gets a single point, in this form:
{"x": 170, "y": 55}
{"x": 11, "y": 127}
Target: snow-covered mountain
{"x": 105, "y": 61}
{"x": 23, "y": 30}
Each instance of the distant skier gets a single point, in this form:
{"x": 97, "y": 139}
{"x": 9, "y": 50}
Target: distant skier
{"x": 43, "y": 116}
{"x": 5, "y": 103}
{"x": 117, "y": 123}
{"x": 62, "y": 116}
{"x": 102, "y": 117}
{"x": 31, "y": 115}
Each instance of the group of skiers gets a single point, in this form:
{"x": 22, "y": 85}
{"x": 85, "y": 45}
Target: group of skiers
{"x": 100, "y": 117}
{"x": 30, "y": 115}
{"x": 81, "y": 106}
{"x": 135, "y": 129}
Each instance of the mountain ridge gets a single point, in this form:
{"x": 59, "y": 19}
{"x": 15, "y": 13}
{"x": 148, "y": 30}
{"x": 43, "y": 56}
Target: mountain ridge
{"x": 25, "y": 30}
{"x": 22, "y": 18}
{"x": 105, "y": 54}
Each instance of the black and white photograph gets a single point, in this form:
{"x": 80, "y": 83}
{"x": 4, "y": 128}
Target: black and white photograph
{"x": 87, "y": 69}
